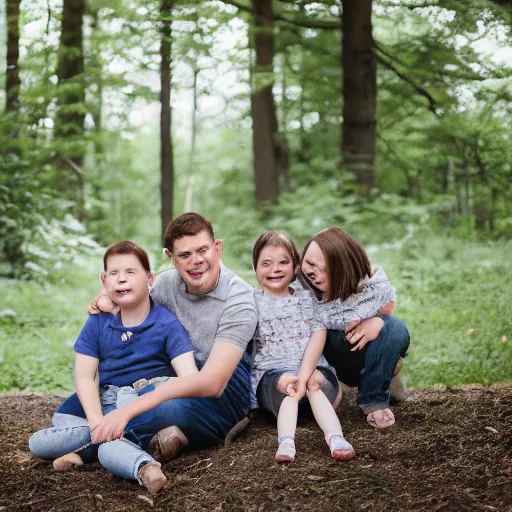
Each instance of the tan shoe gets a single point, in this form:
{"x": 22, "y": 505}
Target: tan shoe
{"x": 167, "y": 444}
{"x": 236, "y": 431}
{"x": 150, "y": 475}
{"x": 397, "y": 390}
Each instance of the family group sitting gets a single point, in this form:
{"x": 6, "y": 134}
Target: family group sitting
{"x": 172, "y": 355}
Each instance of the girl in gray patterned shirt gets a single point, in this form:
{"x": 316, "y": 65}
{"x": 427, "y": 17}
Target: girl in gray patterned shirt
{"x": 289, "y": 369}
{"x": 364, "y": 342}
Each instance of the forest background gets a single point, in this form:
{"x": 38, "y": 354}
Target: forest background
{"x": 389, "y": 118}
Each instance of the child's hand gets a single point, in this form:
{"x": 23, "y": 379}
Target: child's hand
{"x": 103, "y": 303}
{"x": 315, "y": 381}
{"x": 351, "y": 326}
{"x": 94, "y": 422}
{"x": 285, "y": 381}
{"x": 298, "y": 390}
{"x": 111, "y": 427}
{"x": 367, "y": 330}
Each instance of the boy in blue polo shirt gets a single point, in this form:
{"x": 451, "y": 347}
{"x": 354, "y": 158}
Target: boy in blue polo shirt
{"x": 140, "y": 345}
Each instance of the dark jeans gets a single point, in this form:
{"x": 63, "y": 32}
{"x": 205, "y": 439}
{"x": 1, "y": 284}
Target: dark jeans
{"x": 371, "y": 369}
{"x": 204, "y": 421}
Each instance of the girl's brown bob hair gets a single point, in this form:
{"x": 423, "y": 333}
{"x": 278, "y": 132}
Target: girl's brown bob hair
{"x": 278, "y": 238}
{"x": 346, "y": 261}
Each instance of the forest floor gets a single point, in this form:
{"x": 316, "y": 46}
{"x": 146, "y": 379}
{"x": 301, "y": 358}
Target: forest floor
{"x": 451, "y": 449}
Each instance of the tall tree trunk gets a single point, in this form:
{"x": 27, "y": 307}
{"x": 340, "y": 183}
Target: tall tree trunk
{"x": 166, "y": 155}
{"x": 263, "y": 111}
{"x": 189, "y": 191}
{"x": 359, "y": 92}
{"x": 69, "y": 121}
{"x": 95, "y": 71}
{"x": 12, "y": 82}
{"x": 284, "y": 154}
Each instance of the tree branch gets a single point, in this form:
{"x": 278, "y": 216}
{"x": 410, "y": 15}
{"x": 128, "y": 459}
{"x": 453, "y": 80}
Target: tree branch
{"x": 302, "y": 22}
{"x": 432, "y": 103}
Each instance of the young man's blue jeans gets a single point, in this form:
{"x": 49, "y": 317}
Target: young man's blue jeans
{"x": 204, "y": 421}
{"x": 371, "y": 369}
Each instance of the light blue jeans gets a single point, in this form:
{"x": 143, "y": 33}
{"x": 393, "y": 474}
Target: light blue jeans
{"x": 71, "y": 434}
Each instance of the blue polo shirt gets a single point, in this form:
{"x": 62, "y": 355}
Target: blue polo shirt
{"x": 147, "y": 353}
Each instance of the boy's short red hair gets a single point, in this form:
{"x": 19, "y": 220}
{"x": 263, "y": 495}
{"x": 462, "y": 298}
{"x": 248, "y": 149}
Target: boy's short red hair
{"x": 127, "y": 247}
{"x": 187, "y": 224}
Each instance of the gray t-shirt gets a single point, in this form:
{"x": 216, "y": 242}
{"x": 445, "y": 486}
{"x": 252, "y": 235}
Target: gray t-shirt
{"x": 227, "y": 313}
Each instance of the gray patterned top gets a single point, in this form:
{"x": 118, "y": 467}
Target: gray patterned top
{"x": 285, "y": 325}
{"x": 374, "y": 292}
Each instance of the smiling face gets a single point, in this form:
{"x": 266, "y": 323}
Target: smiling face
{"x": 197, "y": 259}
{"x": 274, "y": 270}
{"x": 314, "y": 268}
{"x": 126, "y": 281}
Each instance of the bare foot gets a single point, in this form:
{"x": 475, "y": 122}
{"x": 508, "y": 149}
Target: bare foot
{"x": 383, "y": 418}
{"x": 67, "y": 462}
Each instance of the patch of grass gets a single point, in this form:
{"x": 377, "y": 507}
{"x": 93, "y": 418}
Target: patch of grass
{"x": 36, "y": 345}
{"x": 454, "y": 296}
{"x": 455, "y": 299}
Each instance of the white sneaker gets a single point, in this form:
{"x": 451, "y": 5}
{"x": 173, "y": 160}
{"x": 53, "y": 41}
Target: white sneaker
{"x": 340, "y": 448}
{"x": 286, "y": 451}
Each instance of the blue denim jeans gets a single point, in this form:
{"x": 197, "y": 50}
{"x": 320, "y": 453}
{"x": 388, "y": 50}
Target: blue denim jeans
{"x": 71, "y": 434}
{"x": 371, "y": 369}
{"x": 204, "y": 421}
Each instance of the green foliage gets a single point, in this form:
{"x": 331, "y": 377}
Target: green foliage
{"x": 453, "y": 296}
{"x": 446, "y": 289}
{"x": 36, "y": 342}
{"x": 37, "y": 232}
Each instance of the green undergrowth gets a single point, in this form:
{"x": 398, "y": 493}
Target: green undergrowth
{"x": 454, "y": 296}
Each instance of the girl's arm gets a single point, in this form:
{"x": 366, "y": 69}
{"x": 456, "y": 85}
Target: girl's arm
{"x": 209, "y": 382}
{"x": 87, "y": 387}
{"x": 309, "y": 362}
{"x": 377, "y": 296}
{"x": 185, "y": 364}
{"x": 387, "y": 309}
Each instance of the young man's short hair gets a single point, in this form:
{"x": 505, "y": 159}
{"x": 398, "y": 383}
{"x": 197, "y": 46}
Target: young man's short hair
{"x": 187, "y": 224}
{"x": 127, "y": 247}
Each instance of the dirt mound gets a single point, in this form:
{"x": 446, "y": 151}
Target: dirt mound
{"x": 451, "y": 449}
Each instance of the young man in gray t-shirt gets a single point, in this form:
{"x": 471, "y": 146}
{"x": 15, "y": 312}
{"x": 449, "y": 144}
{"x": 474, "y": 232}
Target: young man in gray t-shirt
{"x": 218, "y": 310}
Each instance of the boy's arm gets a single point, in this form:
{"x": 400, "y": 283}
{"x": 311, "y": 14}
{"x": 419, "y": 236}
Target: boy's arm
{"x": 309, "y": 362}
{"x": 87, "y": 387}
{"x": 184, "y": 364}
